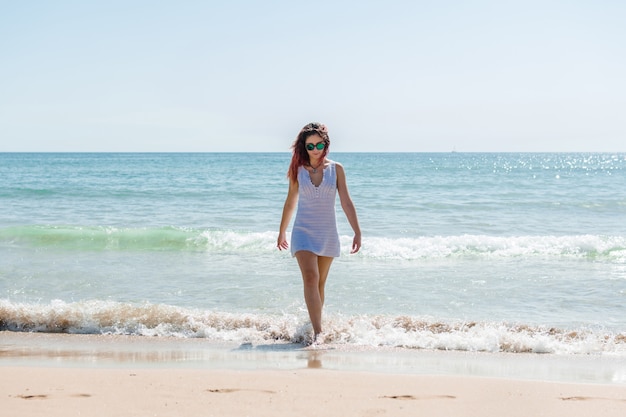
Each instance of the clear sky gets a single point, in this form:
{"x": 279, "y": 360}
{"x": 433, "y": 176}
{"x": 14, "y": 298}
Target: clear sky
{"x": 420, "y": 76}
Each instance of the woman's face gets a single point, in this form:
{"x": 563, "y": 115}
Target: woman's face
{"x": 315, "y": 145}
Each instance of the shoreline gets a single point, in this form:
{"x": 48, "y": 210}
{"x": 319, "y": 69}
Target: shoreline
{"x": 114, "y": 351}
{"x": 60, "y": 375}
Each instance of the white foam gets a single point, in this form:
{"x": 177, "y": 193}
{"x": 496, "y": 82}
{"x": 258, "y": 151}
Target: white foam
{"x": 482, "y": 246}
{"x": 105, "y": 317}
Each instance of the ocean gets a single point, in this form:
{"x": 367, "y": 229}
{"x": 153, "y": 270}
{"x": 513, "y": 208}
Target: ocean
{"x": 484, "y": 252}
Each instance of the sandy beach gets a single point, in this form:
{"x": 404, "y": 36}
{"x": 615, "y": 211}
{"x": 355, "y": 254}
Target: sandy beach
{"x": 59, "y": 391}
{"x": 72, "y": 375}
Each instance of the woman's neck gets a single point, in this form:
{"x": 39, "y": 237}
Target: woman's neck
{"x": 316, "y": 162}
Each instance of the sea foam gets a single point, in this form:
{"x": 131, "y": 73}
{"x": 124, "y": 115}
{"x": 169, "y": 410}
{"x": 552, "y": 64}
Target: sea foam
{"x": 107, "y": 238}
{"x": 106, "y": 317}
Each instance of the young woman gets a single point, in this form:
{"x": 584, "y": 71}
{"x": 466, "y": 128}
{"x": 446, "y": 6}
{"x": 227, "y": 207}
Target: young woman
{"x": 314, "y": 182}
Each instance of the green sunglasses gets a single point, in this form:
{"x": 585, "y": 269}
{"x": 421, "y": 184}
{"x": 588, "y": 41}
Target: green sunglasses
{"x": 319, "y": 145}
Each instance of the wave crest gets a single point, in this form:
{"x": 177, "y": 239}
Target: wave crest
{"x": 105, "y": 238}
{"x": 100, "y": 317}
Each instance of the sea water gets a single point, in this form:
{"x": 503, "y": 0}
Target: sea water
{"x": 493, "y": 252}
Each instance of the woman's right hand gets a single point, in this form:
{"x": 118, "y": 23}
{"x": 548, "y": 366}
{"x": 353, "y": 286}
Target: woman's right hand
{"x": 282, "y": 243}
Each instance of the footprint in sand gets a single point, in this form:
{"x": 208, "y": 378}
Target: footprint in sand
{"x": 230, "y": 390}
{"x": 581, "y": 398}
{"x": 412, "y": 397}
{"x": 33, "y": 397}
{"x": 43, "y": 397}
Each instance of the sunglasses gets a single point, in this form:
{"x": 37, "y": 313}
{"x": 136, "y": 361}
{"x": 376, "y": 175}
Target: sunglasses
{"x": 319, "y": 145}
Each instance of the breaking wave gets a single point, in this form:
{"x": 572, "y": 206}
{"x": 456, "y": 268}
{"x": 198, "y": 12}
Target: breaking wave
{"x": 107, "y": 238}
{"x": 105, "y": 317}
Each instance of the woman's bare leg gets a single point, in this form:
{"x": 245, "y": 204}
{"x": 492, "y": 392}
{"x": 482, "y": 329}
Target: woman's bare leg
{"x": 314, "y": 271}
{"x": 323, "y": 266}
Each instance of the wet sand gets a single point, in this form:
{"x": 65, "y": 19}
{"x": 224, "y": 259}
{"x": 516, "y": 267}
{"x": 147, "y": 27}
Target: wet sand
{"x": 67, "y": 375}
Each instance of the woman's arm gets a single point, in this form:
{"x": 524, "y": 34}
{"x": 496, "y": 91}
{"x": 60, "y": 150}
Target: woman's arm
{"x": 290, "y": 205}
{"x": 348, "y": 207}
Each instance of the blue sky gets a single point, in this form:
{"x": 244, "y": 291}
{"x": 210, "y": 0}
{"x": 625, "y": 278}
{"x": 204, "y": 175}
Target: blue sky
{"x": 210, "y": 76}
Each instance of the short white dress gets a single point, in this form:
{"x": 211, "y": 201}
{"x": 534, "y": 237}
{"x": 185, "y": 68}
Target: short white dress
{"x": 315, "y": 226}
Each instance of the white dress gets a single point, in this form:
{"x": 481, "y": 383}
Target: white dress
{"x": 315, "y": 226}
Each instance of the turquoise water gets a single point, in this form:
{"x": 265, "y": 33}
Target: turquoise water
{"x": 490, "y": 252}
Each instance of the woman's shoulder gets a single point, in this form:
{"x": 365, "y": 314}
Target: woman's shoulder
{"x": 337, "y": 165}
{"x": 334, "y": 163}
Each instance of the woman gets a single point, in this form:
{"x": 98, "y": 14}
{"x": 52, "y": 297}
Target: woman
{"x": 314, "y": 182}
